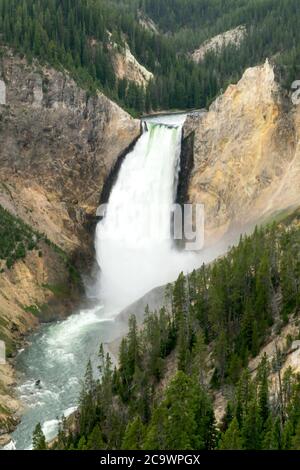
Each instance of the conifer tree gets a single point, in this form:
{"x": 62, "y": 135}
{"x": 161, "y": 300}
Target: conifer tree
{"x": 263, "y": 389}
{"x": 134, "y": 435}
{"x": 251, "y": 431}
{"x": 267, "y": 441}
{"x": 82, "y": 443}
{"x": 231, "y": 439}
{"x": 95, "y": 441}
{"x": 87, "y": 401}
{"x": 276, "y": 437}
{"x": 38, "y": 438}
{"x": 296, "y": 438}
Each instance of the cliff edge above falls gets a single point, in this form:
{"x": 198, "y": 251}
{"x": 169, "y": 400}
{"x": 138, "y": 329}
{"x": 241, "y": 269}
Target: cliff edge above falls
{"x": 246, "y": 154}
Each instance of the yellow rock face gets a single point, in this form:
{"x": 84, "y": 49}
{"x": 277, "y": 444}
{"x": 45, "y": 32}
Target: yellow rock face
{"x": 246, "y": 154}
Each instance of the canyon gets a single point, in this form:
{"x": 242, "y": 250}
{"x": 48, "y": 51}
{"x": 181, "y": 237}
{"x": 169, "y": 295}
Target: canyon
{"x": 59, "y": 145}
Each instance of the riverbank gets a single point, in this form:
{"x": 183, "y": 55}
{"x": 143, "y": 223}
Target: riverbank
{"x": 42, "y": 287}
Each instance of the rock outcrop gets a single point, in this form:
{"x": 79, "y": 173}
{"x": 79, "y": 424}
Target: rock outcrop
{"x": 246, "y": 154}
{"x": 2, "y": 92}
{"x": 126, "y": 66}
{"x": 218, "y": 43}
{"x": 147, "y": 23}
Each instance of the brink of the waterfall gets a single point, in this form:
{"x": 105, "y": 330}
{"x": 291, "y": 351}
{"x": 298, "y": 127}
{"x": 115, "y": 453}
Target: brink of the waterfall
{"x": 134, "y": 244}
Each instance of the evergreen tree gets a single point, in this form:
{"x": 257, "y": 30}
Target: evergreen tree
{"x": 267, "y": 442}
{"x": 134, "y": 435}
{"x": 95, "y": 441}
{"x": 87, "y": 401}
{"x": 129, "y": 407}
{"x": 232, "y": 440}
{"x": 38, "y": 438}
{"x": 183, "y": 420}
{"x": 252, "y": 427}
{"x": 82, "y": 443}
{"x": 276, "y": 437}
{"x": 296, "y": 438}
{"x": 263, "y": 392}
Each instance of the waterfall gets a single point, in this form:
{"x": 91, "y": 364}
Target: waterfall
{"x": 135, "y": 252}
{"x": 134, "y": 245}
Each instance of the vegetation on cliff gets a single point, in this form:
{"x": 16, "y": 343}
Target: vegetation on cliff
{"x": 15, "y": 238}
{"x": 220, "y": 317}
{"x": 78, "y": 35}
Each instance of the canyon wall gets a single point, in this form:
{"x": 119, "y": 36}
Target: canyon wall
{"x": 246, "y": 155}
{"x": 57, "y": 145}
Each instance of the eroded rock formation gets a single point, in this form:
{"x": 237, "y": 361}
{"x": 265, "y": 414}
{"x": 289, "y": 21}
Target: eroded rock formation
{"x": 246, "y": 154}
{"x": 57, "y": 145}
{"x": 216, "y": 44}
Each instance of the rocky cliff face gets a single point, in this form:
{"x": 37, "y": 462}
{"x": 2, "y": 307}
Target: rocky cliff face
{"x": 57, "y": 146}
{"x": 220, "y": 42}
{"x": 246, "y": 154}
{"x": 126, "y": 66}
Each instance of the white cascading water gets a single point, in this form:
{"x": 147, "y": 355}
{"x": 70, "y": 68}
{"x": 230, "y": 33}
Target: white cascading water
{"x": 134, "y": 245}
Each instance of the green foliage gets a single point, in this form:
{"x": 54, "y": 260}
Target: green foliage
{"x": 74, "y": 35}
{"x": 87, "y": 402}
{"x": 95, "y": 441}
{"x": 219, "y": 317}
{"x": 34, "y": 309}
{"x": 254, "y": 421}
{"x": 263, "y": 390}
{"x": 38, "y": 439}
{"x": 296, "y": 438}
{"x": 184, "y": 420}
{"x": 15, "y": 238}
{"x": 134, "y": 435}
{"x": 231, "y": 439}
{"x": 59, "y": 290}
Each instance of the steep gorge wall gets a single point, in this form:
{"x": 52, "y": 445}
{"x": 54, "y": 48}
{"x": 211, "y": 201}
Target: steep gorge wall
{"x": 240, "y": 159}
{"x": 126, "y": 66}
{"x": 246, "y": 155}
{"x": 57, "y": 145}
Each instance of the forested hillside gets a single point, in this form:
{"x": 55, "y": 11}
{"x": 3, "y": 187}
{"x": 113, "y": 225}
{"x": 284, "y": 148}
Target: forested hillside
{"x": 78, "y": 35}
{"x": 220, "y": 317}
